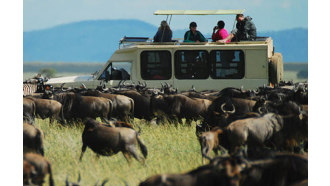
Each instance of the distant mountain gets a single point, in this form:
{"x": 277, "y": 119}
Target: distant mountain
{"x": 293, "y": 44}
{"x": 95, "y": 41}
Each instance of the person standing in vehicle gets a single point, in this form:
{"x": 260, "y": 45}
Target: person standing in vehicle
{"x": 219, "y": 32}
{"x": 245, "y": 30}
{"x": 193, "y": 35}
{"x": 164, "y": 33}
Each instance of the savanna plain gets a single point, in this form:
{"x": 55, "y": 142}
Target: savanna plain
{"x": 171, "y": 148}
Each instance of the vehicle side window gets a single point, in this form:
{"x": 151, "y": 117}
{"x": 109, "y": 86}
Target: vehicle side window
{"x": 191, "y": 64}
{"x": 117, "y": 71}
{"x": 227, "y": 64}
{"x": 156, "y": 65}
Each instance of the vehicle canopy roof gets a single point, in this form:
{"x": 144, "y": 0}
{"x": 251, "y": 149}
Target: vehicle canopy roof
{"x": 199, "y": 12}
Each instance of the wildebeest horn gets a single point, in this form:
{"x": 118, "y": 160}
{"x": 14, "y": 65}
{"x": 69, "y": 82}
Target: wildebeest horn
{"x": 83, "y": 85}
{"x": 62, "y": 85}
{"x": 154, "y": 91}
{"x": 167, "y": 85}
{"x": 125, "y": 83}
{"x": 225, "y": 111}
{"x": 104, "y": 87}
{"x": 260, "y": 111}
{"x": 145, "y": 84}
{"x": 161, "y": 84}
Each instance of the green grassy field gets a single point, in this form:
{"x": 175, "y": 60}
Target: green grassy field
{"x": 171, "y": 149}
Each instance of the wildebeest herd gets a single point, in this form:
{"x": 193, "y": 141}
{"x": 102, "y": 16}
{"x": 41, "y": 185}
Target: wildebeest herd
{"x": 259, "y": 137}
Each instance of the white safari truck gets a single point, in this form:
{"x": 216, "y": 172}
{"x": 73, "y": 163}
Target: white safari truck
{"x": 206, "y": 65}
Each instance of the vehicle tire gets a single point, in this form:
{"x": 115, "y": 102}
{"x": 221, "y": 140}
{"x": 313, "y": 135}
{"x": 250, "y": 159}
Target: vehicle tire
{"x": 276, "y": 68}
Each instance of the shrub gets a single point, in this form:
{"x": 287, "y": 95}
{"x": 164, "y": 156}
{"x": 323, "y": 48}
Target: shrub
{"x": 48, "y": 72}
{"x": 302, "y": 74}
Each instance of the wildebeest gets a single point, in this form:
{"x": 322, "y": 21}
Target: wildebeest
{"x": 76, "y": 106}
{"x": 210, "y": 141}
{"x": 270, "y": 127}
{"x": 108, "y": 141}
{"x": 219, "y": 172}
{"x": 181, "y": 106}
{"x": 41, "y": 166}
{"x": 224, "y": 110}
{"x": 28, "y": 173}
{"x": 29, "y": 110}
{"x": 141, "y": 103}
{"x": 279, "y": 170}
{"x": 123, "y": 106}
{"x": 252, "y": 131}
{"x": 46, "y": 108}
{"x": 32, "y": 139}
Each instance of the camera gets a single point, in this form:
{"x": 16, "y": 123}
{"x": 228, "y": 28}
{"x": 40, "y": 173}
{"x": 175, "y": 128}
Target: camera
{"x": 216, "y": 27}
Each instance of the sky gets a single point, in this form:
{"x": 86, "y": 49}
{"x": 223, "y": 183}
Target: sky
{"x": 268, "y": 15}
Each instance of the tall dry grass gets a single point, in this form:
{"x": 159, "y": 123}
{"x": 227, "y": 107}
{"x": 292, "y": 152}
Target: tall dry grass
{"x": 171, "y": 149}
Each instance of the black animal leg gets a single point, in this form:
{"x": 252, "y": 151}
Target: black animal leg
{"x": 83, "y": 149}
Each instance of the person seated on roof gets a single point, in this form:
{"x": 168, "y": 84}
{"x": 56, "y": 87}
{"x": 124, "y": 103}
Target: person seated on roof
{"x": 164, "y": 33}
{"x": 219, "y": 32}
{"x": 245, "y": 30}
{"x": 194, "y": 35}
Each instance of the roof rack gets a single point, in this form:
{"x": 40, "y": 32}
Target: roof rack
{"x": 199, "y": 12}
{"x": 133, "y": 39}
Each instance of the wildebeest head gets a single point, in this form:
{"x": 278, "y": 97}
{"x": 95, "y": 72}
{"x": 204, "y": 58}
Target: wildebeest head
{"x": 91, "y": 123}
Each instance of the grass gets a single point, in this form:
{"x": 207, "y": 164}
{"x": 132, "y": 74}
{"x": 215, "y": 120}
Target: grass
{"x": 171, "y": 149}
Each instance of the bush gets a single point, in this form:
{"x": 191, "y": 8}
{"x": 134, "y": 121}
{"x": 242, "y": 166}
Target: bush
{"x": 48, "y": 72}
{"x": 302, "y": 74}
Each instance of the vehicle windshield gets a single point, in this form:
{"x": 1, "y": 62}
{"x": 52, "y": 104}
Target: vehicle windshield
{"x": 117, "y": 71}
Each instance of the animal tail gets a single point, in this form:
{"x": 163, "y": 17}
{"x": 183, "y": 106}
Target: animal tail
{"x": 132, "y": 109}
{"x": 142, "y": 146}
{"x": 51, "y": 181}
{"x": 39, "y": 142}
{"x": 139, "y": 132}
{"x": 34, "y": 108}
{"x": 62, "y": 114}
{"x": 110, "y": 109}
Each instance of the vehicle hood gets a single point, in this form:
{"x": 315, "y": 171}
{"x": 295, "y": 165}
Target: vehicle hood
{"x": 70, "y": 79}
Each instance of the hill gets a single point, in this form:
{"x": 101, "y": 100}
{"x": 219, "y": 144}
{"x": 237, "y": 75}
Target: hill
{"x": 95, "y": 41}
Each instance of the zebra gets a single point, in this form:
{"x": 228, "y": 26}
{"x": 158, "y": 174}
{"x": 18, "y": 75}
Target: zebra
{"x": 29, "y": 89}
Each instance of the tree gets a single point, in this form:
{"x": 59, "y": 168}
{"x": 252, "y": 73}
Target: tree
{"x": 48, "y": 72}
{"x": 302, "y": 74}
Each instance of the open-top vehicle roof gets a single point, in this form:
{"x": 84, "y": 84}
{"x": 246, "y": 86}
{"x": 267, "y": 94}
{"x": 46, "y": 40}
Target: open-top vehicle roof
{"x": 199, "y": 12}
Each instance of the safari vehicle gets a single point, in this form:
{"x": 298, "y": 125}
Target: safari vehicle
{"x": 206, "y": 65}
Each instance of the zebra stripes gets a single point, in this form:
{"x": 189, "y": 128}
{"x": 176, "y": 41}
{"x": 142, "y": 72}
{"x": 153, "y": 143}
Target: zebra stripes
{"x": 29, "y": 89}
